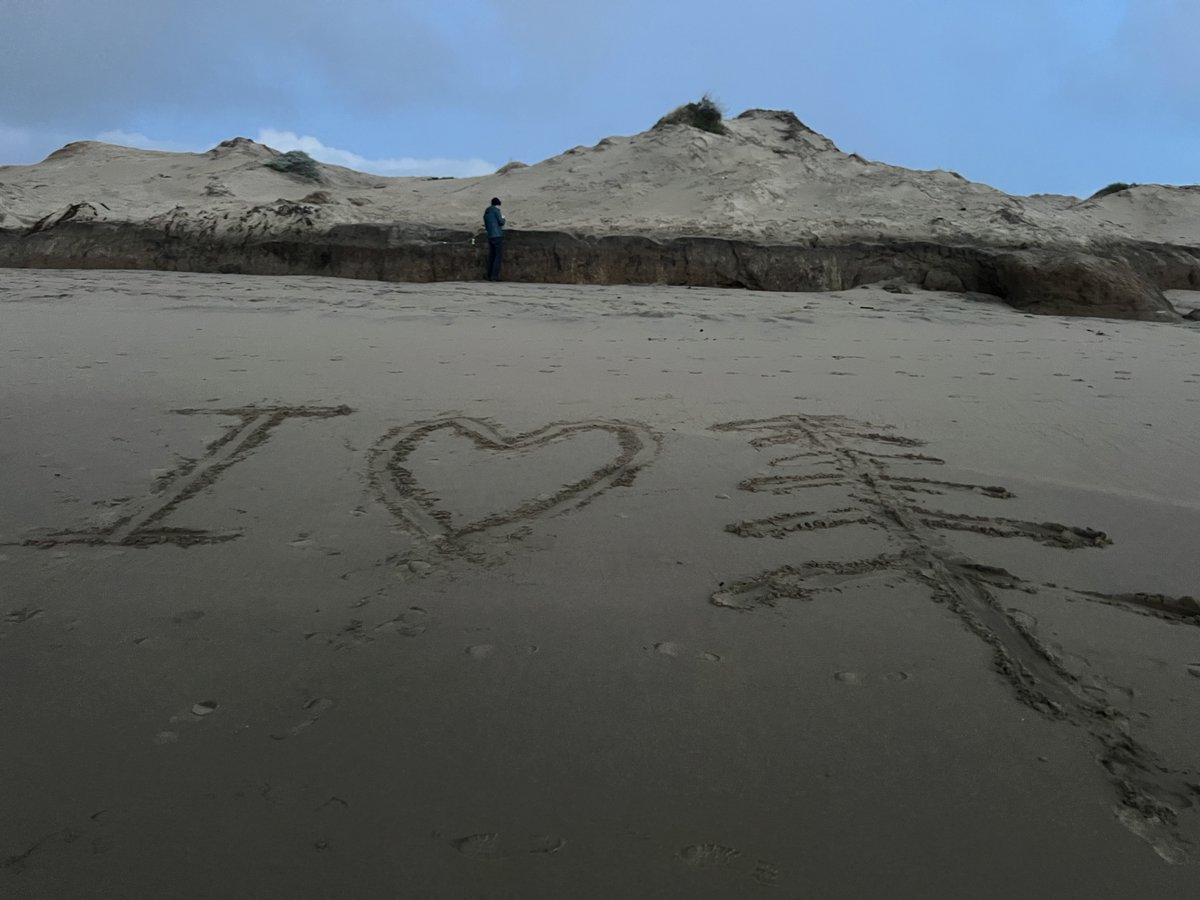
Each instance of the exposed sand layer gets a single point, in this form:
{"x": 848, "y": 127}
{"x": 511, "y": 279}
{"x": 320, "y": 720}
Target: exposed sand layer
{"x": 770, "y": 205}
{"x": 323, "y": 588}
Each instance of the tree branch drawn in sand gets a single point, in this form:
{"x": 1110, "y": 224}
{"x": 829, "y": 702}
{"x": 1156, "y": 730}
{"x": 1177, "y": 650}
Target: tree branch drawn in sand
{"x": 139, "y": 521}
{"x": 861, "y": 458}
{"x": 432, "y": 525}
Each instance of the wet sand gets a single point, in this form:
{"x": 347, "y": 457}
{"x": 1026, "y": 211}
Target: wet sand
{"x": 315, "y": 588}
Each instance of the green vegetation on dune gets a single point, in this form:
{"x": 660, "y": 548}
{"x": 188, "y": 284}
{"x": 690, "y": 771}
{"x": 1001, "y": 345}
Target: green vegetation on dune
{"x": 296, "y": 162}
{"x": 1113, "y": 188}
{"x": 704, "y": 114}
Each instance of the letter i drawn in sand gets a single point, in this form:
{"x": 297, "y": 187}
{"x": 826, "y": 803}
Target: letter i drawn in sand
{"x": 140, "y": 521}
{"x": 862, "y": 459}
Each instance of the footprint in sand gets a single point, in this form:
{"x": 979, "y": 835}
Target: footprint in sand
{"x": 862, "y": 678}
{"x": 700, "y": 855}
{"x": 544, "y": 844}
{"x": 24, "y": 614}
{"x": 410, "y": 623}
{"x": 405, "y": 629}
{"x": 765, "y": 873}
{"x": 313, "y": 710}
{"x": 479, "y": 846}
{"x": 490, "y": 846}
{"x": 718, "y": 856}
{"x": 672, "y": 649}
{"x": 201, "y": 710}
{"x": 483, "y": 651}
{"x": 204, "y": 708}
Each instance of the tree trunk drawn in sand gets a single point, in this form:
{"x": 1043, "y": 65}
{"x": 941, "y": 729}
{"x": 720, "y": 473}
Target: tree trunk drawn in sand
{"x": 860, "y": 458}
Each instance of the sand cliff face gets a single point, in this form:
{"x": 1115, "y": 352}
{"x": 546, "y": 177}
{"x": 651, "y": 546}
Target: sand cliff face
{"x": 771, "y": 205}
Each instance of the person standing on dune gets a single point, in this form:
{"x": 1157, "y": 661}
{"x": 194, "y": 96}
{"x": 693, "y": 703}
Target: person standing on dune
{"x": 493, "y": 221}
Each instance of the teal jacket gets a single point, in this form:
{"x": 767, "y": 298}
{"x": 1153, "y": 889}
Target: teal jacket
{"x": 494, "y": 222}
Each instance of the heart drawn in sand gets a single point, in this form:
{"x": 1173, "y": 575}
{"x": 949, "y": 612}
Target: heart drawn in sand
{"x": 393, "y": 478}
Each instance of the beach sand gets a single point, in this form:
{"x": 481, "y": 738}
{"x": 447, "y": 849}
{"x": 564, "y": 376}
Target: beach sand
{"x": 317, "y": 588}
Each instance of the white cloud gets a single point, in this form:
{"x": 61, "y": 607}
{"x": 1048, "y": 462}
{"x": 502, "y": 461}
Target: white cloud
{"x": 27, "y": 145}
{"x": 459, "y": 168}
{"x": 139, "y": 140}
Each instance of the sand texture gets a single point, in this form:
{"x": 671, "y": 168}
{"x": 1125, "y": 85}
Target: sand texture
{"x": 324, "y": 588}
{"x": 771, "y": 205}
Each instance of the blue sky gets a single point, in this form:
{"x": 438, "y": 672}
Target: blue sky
{"x": 1059, "y": 96}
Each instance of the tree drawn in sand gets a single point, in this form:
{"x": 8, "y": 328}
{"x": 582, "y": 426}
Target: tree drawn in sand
{"x": 863, "y": 460}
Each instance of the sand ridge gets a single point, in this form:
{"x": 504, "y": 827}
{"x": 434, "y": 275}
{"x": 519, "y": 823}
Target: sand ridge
{"x": 769, "y": 205}
{"x": 770, "y": 178}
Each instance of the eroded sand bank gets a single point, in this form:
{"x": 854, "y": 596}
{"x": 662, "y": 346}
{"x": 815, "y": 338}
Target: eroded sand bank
{"x": 324, "y": 588}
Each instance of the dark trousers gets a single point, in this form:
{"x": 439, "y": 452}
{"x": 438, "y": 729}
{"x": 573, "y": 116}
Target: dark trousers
{"x": 495, "y": 256}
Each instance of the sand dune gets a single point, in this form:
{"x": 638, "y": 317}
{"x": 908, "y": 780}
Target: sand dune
{"x": 770, "y": 178}
{"x": 786, "y": 208}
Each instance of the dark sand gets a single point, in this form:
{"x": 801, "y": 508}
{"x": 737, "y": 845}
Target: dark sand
{"x": 363, "y": 621}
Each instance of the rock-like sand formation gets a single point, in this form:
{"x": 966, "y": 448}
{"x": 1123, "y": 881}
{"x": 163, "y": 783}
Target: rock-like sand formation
{"x": 770, "y": 205}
